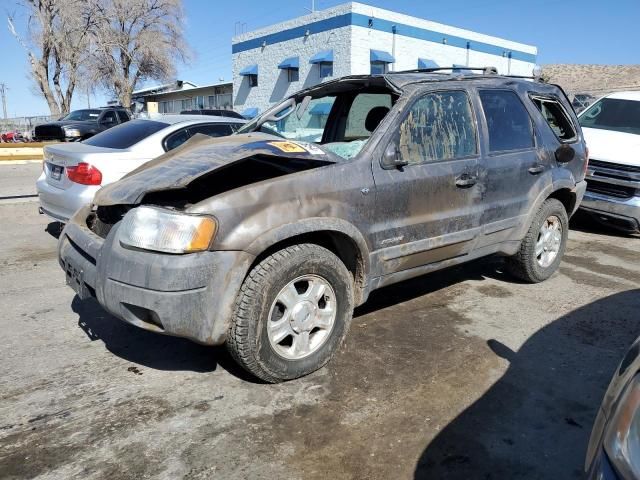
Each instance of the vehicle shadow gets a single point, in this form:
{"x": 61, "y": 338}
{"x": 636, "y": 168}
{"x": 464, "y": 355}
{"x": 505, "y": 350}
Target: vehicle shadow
{"x": 535, "y": 421}
{"x": 54, "y": 229}
{"x": 584, "y": 222}
{"x": 149, "y": 349}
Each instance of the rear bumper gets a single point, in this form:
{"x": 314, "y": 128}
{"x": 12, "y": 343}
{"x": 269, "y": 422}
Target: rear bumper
{"x": 627, "y": 210}
{"x": 60, "y": 204}
{"x": 189, "y": 296}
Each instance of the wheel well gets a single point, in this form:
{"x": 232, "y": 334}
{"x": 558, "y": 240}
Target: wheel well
{"x": 339, "y": 244}
{"x": 566, "y": 197}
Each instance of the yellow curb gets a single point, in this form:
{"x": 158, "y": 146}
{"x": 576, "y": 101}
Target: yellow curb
{"x": 19, "y": 162}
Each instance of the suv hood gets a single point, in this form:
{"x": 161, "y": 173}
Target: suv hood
{"x": 200, "y": 156}
{"x": 612, "y": 146}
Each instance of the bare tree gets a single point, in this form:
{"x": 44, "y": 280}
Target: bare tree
{"x": 57, "y": 44}
{"x": 137, "y": 40}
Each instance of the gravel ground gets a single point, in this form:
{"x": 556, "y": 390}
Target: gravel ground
{"x": 464, "y": 373}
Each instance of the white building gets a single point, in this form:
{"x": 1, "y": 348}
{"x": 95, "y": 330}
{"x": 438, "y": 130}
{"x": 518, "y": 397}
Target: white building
{"x": 353, "y": 38}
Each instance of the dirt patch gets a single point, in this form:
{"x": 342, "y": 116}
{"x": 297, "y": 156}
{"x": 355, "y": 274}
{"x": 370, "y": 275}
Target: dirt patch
{"x": 593, "y": 265}
{"x": 494, "y": 291}
{"x": 591, "y": 279}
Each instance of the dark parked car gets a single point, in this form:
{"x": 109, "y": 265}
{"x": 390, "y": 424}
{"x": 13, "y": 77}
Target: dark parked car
{"x": 81, "y": 124}
{"x": 614, "y": 447}
{"x": 267, "y": 242}
{"x": 214, "y": 112}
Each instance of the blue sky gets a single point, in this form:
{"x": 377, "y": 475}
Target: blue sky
{"x": 565, "y": 31}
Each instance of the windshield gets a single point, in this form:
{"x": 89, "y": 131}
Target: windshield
{"x": 126, "y": 134}
{"x": 82, "y": 115}
{"x": 613, "y": 114}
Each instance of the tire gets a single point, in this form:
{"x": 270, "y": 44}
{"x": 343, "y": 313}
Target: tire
{"x": 527, "y": 264}
{"x": 266, "y": 297}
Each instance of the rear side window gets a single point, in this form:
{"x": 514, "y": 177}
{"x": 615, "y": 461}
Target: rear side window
{"x": 508, "y": 121}
{"x": 439, "y": 126}
{"x": 122, "y": 116}
{"x": 126, "y": 135}
{"x": 213, "y": 130}
{"x": 556, "y": 117}
{"x": 176, "y": 139}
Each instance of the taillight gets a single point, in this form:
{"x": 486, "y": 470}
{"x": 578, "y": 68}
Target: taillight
{"x": 84, "y": 174}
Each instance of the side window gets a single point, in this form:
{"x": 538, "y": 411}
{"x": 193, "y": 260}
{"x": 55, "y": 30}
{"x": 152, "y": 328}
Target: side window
{"x": 439, "y": 126}
{"x": 109, "y": 118}
{"x": 366, "y": 112}
{"x": 508, "y": 121}
{"x": 122, "y": 116}
{"x": 556, "y": 116}
{"x": 176, "y": 139}
{"x": 213, "y": 130}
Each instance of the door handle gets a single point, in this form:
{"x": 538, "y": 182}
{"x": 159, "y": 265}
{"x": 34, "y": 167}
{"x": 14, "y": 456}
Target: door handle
{"x": 536, "y": 169}
{"x": 465, "y": 181}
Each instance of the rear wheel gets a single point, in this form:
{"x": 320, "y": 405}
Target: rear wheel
{"x": 542, "y": 249}
{"x": 292, "y": 313}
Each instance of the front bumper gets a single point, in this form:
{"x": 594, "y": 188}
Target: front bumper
{"x": 624, "y": 210}
{"x": 189, "y": 296}
{"x": 60, "y": 204}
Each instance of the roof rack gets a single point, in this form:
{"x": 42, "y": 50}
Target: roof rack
{"x": 485, "y": 71}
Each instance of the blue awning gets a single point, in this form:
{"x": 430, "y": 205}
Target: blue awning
{"x": 291, "y": 63}
{"x": 461, "y": 69}
{"x": 250, "y": 112}
{"x": 321, "y": 109}
{"x": 250, "y": 70}
{"x": 381, "y": 56}
{"x": 426, "y": 63}
{"x": 326, "y": 56}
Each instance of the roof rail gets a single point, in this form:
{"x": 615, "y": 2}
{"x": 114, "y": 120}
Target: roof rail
{"x": 485, "y": 71}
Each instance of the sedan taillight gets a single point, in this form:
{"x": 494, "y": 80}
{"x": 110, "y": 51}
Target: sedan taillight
{"x": 84, "y": 174}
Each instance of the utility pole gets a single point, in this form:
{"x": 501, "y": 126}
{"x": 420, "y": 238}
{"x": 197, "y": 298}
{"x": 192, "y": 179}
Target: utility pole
{"x": 3, "y": 94}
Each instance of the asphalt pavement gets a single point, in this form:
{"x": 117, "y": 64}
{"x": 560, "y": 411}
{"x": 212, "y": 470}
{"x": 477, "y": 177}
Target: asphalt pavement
{"x": 464, "y": 373}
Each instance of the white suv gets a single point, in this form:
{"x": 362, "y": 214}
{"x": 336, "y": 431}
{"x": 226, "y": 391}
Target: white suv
{"x": 611, "y": 129}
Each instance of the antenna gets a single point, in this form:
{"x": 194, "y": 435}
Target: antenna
{"x": 313, "y": 7}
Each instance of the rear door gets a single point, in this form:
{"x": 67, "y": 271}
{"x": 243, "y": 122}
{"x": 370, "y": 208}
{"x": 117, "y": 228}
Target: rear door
{"x": 513, "y": 169}
{"x": 428, "y": 210}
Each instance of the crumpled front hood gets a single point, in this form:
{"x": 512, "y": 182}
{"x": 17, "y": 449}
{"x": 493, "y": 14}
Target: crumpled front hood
{"x": 199, "y": 156}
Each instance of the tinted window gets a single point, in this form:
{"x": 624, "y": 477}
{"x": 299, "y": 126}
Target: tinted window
{"x": 213, "y": 130}
{"x": 176, "y": 139}
{"x": 109, "y": 117}
{"x": 439, "y": 126}
{"x": 360, "y": 109}
{"x": 507, "y": 119}
{"x": 613, "y": 114}
{"x": 556, "y": 117}
{"x": 82, "y": 115}
{"x": 126, "y": 135}
{"x": 123, "y": 116}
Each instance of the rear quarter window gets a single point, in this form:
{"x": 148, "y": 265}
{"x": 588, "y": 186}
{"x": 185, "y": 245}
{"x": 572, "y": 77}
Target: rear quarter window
{"x": 556, "y": 117}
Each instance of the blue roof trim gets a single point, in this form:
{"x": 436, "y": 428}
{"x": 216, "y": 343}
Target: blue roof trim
{"x": 382, "y": 25}
{"x": 250, "y": 70}
{"x": 326, "y": 56}
{"x": 381, "y": 56}
{"x": 291, "y": 63}
{"x": 427, "y": 63}
{"x": 321, "y": 109}
{"x": 250, "y": 112}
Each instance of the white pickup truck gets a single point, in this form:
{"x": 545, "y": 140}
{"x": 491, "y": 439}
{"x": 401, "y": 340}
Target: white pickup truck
{"x": 611, "y": 129}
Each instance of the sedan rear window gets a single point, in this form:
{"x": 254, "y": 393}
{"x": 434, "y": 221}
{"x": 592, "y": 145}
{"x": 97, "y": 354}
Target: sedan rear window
{"x": 126, "y": 134}
{"x": 613, "y": 114}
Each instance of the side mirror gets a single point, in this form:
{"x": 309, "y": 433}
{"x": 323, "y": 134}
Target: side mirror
{"x": 565, "y": 153}
{"x": 391, "y": 157}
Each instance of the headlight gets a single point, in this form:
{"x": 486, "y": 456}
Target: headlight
{"x": 71, "y": 132}
{"x": 162, "y": 230}
{"x": 622, "y": 437}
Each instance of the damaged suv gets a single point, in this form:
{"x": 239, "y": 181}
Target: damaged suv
{"x": 266, "y": 240}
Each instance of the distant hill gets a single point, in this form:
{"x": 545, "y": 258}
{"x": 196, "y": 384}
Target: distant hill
{"x": 594, "y": 79}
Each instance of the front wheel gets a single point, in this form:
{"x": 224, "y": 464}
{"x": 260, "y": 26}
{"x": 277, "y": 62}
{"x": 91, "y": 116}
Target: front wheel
{"x": 292, "y": 313}
{"x": 542, "y": 249}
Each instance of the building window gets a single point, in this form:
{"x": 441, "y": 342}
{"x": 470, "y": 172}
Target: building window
{"x": 293, "y": 74}
{"x": 253, "y": 80}
{"x": 326, "y": 69}
{"x": 186, "y": 104}
{"x": 199, "y": 102}
{"x": 378, "y": 68}
{"x": 212, "y": 101}
{"x": 166, "y": 106}
{"x": 224, "y": 100}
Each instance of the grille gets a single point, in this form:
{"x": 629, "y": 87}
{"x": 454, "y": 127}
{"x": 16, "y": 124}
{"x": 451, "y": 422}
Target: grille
{"x": 610, "y": 189}
{"x": 103, "y": 219}
{"x": 614, "y": 166}
{"x": 49, "y": 132}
